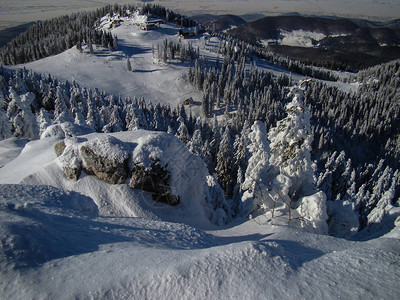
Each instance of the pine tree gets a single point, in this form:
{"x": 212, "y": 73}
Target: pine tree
{"x": 128, "y": 65}
{"x": 258, "y": 173}
{"x": 224, "y": 169}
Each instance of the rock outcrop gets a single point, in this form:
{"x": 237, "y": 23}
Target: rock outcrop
{"x": 59, "y": 148}
{"x": 106, "y": 169}
{"x": 154, "y": 180}
{"x": 72, "y": 173}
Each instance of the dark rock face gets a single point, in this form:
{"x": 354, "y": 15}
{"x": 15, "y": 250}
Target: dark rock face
{"x": 154, "y": 180}
{"x": 59, "y": 148}
{"x": 110, "y": 171}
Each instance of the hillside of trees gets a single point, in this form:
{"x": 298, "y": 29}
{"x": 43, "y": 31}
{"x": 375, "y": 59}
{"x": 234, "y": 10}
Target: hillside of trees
{"x": 355, "y": 149}
{"x": 56, "y": 35}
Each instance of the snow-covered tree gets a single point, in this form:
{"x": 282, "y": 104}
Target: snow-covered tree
{"x": 19, "y": 112}
{"x": 258, "y": 172}
{"x": 195, "y": 144}
{"x": 291, "y": 157}
{"x": 5, "y": 128}
{"x": 182, "y": 132}
{"x": 291, "y": 147}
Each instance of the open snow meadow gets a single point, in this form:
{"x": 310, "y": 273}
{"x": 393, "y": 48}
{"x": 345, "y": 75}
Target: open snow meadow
{"x": 149, "y": 165}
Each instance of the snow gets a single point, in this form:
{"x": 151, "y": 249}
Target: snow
{"x": 300, "y": 38}
{"x": 313, "y": 210}
{"x": 151, "y": 79}
{"x": 62, "y": 239}
{"x": 58, "y": 241}
{"x": 10, "y": 149}
{"x": 51, "y": 249}
{"x": 108, "y": 146}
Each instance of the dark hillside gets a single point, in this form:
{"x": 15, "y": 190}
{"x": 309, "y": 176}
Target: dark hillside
{"x": 219, "y": 23}
{"x": 269, "y": 27}
{"x": 349, "y": 44}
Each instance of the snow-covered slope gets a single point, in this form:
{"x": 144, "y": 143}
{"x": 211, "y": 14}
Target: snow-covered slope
{"x": 63, "y": 244}
{"x": 107, "y": 70}
{"x": 51, "y": 249}
{"x": 85, "y": 238}
{"x": 150, "y": 78}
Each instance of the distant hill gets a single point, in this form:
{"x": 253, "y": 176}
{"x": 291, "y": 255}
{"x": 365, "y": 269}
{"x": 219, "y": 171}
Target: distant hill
{"x": 219, "y": 23}
{"x": 329, "y": 42}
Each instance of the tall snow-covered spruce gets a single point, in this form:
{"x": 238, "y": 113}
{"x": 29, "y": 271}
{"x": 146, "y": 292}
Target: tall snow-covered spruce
{"x": 291, "y": 140}
{"x": 258, "y": 172}
{"x": 293, "y": 184}
{"x": 279, "y": 180}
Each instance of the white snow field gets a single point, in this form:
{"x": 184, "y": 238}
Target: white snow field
{"x": 62, "y": 239}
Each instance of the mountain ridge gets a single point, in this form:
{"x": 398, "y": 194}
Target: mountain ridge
{"x": 344, "y": 43}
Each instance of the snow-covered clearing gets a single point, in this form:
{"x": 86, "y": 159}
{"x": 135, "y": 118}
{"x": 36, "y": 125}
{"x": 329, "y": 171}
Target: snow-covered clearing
{"x": 107, "y": 71}
{"x": 58, "y": 242}
{"x": 300, "y": 38}
{"x": 150, "y": 78}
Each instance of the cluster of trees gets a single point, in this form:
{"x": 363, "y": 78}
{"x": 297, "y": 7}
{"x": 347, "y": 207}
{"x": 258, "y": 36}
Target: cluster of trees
{"x": 56, "y": 35}
{"x": 277, "y": 59}
{"x": 356, "y": 134}
{"x": 171, "y": 51}
{"x": 229, "y": 85}
{"x": 46, "y": 101}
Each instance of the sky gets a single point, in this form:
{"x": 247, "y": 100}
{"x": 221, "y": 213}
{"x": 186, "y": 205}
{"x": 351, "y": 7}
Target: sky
{"x": 16, "y": 12}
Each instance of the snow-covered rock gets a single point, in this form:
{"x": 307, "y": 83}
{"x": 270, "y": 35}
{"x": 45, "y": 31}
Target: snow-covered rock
{"x": 105, "y": 158}
{"x": 188, "y": 173}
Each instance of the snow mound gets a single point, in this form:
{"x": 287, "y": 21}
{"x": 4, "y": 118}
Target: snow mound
{"x": 108, "y": 146}
{"x": 65, "y": 129}
{"x": 47, "y": 197}
{"x": 38, "y": 165}
{"x": 10, "y": 149}
{"x": 313, "y": 211}
{"x": 35, "y": 222}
